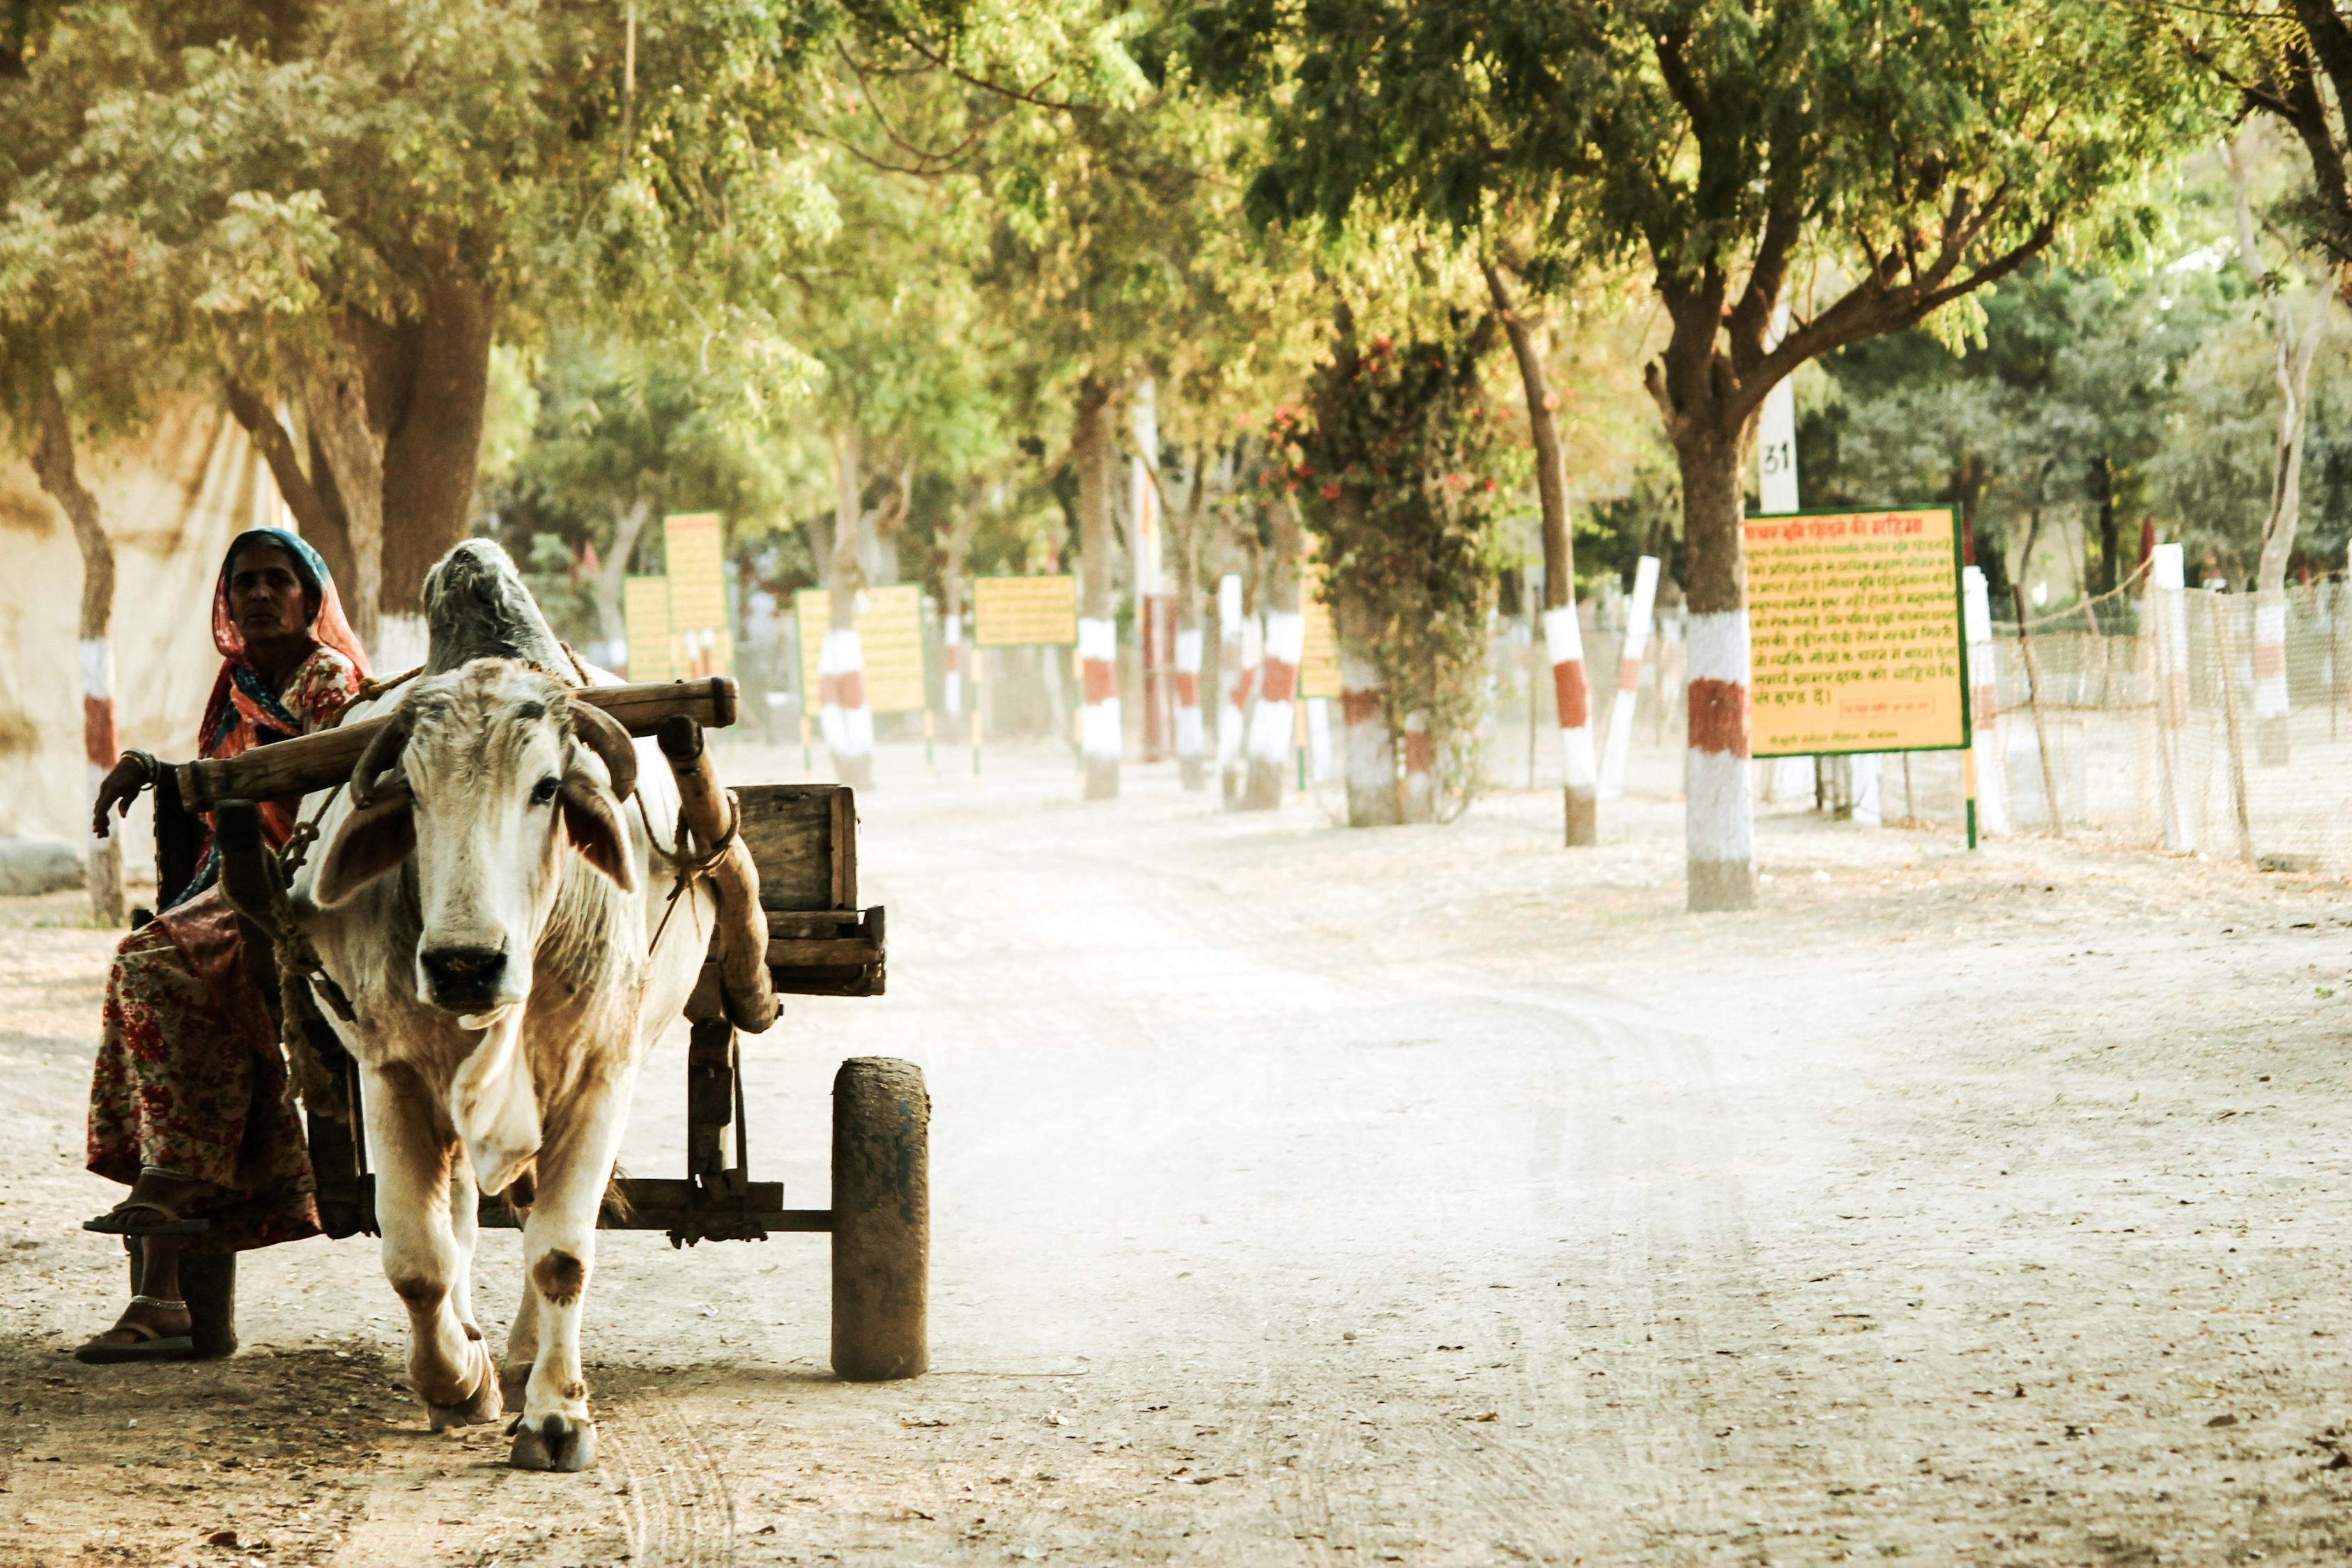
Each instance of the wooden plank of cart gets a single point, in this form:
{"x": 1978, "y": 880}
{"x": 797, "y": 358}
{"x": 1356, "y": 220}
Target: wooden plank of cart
{"x": 803, "y": 842}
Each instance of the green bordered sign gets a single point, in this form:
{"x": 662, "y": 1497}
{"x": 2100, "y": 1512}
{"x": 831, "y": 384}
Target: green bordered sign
{"x": 1855, "y": 635}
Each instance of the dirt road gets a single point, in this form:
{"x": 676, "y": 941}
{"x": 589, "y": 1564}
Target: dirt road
{"x": 1430, "y": 1197}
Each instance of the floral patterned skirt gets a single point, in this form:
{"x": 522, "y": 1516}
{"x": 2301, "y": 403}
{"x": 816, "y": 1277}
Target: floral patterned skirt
{"x": 190, "y": 1079}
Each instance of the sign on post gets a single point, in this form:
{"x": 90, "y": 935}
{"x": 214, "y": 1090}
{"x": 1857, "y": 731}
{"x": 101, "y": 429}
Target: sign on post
{"x": 645, "y": 611}
{"x": 1318, "y": 664}
{"x": 890, "y": 642}
{"x": 696, "y": 549}
{"x": 1855, "y": 635}
{"x": 1021, "y": 611}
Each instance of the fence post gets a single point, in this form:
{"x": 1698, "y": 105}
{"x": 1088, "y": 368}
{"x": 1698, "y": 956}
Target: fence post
{"x": 1629, "y": 677}
{"x": 2034, "y": 705}
{"x": 2169, "y": 613}
{"x": 2229, "y": 677}
{"x": 1985, "y": 754}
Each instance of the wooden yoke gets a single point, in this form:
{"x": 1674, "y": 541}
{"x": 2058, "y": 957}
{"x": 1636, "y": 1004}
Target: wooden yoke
{"x": 305, "y": 763}
{"x": 749, "y": 989}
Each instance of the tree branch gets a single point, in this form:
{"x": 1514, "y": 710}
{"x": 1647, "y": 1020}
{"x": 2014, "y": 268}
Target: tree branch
{"x": 276, "y": 444}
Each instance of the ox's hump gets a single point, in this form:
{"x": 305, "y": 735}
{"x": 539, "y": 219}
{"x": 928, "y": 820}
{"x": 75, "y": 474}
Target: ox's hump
{"x": 477, "y": 606}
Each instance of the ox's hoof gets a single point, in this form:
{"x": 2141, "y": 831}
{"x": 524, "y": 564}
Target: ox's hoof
{"x": 559, "y": 1443}
{"x": 487, "y": 1402}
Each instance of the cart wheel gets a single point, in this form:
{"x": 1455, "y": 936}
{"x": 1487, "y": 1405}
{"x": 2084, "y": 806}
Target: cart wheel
{"x": 881, "y": 1219}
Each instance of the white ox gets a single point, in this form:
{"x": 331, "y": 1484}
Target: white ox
{"x": 488, "y": 900}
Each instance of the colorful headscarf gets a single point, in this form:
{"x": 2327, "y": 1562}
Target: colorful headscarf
{"x": 245, "y": 709}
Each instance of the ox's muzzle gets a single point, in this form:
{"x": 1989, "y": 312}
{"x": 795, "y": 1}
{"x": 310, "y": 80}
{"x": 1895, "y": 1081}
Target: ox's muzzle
{"x": 464, "y": 979}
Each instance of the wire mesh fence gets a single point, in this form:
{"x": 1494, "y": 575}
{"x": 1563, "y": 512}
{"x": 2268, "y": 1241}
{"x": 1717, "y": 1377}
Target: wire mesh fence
{"x": 2217, "y": 723}
{"x": 2179, "y": 720}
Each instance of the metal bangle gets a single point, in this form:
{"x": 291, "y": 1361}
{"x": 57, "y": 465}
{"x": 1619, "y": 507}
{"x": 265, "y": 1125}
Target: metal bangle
{"x": 147, "y": 763}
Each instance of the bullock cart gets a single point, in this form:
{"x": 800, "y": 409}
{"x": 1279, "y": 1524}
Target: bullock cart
{"x": 802, "y": 840}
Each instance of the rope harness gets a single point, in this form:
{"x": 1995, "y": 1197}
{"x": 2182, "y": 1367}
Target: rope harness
{"x": 298, "y": 965}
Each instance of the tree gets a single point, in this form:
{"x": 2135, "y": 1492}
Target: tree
{"x": 618, "y": 436}
{"x": 2291, "y": 62}
{"x": 76, "y": 348}
{"x": 352, "y": 203}
{"x": 1895, "y": 159}
{"x": 2069, "y": 398}
{"x": 1395, "y": 471}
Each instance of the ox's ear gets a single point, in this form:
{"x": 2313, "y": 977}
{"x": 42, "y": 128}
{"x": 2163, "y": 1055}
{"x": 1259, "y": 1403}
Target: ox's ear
{"x": 592, "y": 822}
{"x": 367, "y": 843}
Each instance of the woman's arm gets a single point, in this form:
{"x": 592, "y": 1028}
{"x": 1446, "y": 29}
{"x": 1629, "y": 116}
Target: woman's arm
{"x": 134, "y": 772}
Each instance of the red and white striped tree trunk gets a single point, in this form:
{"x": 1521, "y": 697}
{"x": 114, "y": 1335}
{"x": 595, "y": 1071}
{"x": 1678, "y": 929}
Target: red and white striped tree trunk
{"x": 1420, "y": 771}
{"x": 1190, "y": 739}
{"x": 1100, "y": 728}
{"x": 100, "y": 745}
{"x": 952, "y": 655}
{"x": 847, "y": 721}
{"x": 53, "y": 463}
{"x": 1272, "y": 722}
{"x": 1573, "y": 700}
{"x": 1101, "y": 738}
{"x": 1720, "y": 815}
{"x": 2271, "y": 702}
{"x": 1244, "y": 648}
{"x": 1368, "y": 752}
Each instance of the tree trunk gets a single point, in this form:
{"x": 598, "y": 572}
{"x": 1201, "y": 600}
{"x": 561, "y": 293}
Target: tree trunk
{"x": 1236, "y": 677}
{"x": 334, "y": 383}
{"x": 612, "y": 577}
{"x": 53, "y": 461}
{"x": 2294, "y": 348}
{"x": 1563, "y": 637}
{"x": 308, "y": 490}
{"x": 426, "y": 391}
{"x": 1184, "y": 527}
{"x": 1272, "y": 722}
{"x": 2103, "y": 487}
{"x": 1368, "y": 748}
{"x": 847, "y": 721}
{"x": 1101, "y": 738}
{"x": 1720, "y": 816}
{"x": 962, "y": 523}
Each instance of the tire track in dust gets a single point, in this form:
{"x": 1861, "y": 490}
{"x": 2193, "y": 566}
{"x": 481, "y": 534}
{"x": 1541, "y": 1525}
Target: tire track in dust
{"x": 676, "y": 1511}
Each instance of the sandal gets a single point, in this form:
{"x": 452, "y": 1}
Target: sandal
{"x": 123, "y": 1219}
{"x": 151, "y": 1345}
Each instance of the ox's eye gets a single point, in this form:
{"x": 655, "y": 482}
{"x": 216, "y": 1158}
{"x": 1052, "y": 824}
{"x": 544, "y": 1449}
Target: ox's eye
{"x": 544, "y": 791}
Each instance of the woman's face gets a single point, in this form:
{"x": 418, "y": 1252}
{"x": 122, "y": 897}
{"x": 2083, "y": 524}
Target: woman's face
{"x": 265, "y": 596}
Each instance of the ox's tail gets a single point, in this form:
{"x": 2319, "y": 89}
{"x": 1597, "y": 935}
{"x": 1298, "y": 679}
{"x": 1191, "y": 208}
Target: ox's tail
{"x": 494, "y": 1106}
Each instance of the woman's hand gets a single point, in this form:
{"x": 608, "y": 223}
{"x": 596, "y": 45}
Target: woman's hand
{"x": 120, "y": 788}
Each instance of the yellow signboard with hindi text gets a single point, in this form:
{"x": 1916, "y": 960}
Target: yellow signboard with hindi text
{"x": 889, "y": 644}
{"x": 1318, "y": 666}
{"x": 1855, "y": 633}
{"x": 1022, "y": 612}
{"x": 645, "y": 611}
{"x": 695, "y": 546}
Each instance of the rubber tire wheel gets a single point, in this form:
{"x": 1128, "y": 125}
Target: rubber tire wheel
{"x": 881, "y": 1219}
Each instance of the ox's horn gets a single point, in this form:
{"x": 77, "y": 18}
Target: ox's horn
{"x": 369, "y": 784}
{"x": 603, "y": 734}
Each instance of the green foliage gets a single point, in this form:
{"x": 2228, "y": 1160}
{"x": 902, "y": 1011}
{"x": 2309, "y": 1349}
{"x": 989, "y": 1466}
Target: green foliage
{"x": 1394, "y": 470}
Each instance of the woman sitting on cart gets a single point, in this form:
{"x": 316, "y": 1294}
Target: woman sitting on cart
{"x": 188, "y": 1103}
